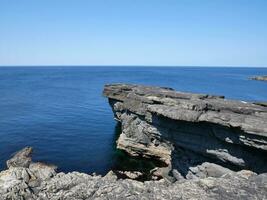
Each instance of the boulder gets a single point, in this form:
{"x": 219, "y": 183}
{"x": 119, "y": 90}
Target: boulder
{"x": 21, "y": 159}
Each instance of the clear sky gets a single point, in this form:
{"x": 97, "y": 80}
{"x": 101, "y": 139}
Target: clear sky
{"x": 133, "y": 32}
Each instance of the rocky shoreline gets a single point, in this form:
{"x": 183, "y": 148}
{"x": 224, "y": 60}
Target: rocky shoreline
{"x": 206, "y": 147}
{"x": 28, "y": 180}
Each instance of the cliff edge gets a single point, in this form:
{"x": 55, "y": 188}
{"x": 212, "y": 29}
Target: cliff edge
{"x": 195, "y": 135}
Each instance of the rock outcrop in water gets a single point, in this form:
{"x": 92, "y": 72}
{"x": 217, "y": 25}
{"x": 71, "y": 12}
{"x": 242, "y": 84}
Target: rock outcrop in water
{"x": 28, "y": 180}
{"x": 259, "y": 78}
{"x": 196, "y": 135}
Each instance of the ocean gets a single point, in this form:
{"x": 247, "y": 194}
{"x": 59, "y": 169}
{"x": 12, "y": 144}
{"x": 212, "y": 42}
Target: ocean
{"x": 61, "y": 113}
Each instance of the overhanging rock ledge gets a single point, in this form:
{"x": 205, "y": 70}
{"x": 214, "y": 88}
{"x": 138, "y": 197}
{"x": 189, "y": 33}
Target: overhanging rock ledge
{"x": 187, "y": 131}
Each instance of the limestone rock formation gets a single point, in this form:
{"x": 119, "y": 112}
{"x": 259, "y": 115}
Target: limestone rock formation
{"x": 185, "y": 130}
{"x": 38, "y": 181}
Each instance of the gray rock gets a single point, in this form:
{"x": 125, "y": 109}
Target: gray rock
{"x": 21, "y": 159}
{"x": 42, "y": 171}
{"x": 159, "y": 122}
{"x": 41, "y": 182}
{"x": 16, "y": 183}
{"x": 134, "y": 175}
{"x": 259, "y": 78}
{"x": 207, "y": 170}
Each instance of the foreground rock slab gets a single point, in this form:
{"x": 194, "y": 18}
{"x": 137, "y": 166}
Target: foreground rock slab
{"x": 185, "y": 130}
{"x": 42, "y": 182}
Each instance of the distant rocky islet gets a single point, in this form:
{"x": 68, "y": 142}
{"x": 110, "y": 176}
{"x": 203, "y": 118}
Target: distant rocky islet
{"x": 259, "y": 78}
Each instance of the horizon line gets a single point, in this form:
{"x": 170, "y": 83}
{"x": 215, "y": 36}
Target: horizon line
{"x": 218, "y": 66}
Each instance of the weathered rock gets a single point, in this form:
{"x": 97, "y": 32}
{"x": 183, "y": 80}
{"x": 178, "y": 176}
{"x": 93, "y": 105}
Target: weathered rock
{"x": 21, "y": 158}
{"x": 134, "y": 175}
{"x": 16, "y": 183}
{"x": 259, "y": 78}
{"x": 185, "y": 130}
{"x": 42, "y": 171}
{"x": 207, "y": 170}
{"x": 261, "y": 103}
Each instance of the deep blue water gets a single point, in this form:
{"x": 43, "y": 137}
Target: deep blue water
{"x": 60, "y": 111}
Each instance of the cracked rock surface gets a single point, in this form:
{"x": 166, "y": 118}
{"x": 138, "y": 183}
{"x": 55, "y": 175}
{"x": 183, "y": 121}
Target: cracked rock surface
{"x": 42, "y": 182}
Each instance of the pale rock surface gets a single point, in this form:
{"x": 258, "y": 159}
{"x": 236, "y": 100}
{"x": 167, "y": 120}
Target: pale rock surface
{"x": 17, "y": 183}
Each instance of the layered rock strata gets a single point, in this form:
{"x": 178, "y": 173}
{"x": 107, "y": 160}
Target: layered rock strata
{"x": 25, "y": 179}
{"x": 187, "y": 131}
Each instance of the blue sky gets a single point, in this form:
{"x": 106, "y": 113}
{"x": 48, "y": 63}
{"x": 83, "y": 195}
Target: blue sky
{"x": 133, "y": 32}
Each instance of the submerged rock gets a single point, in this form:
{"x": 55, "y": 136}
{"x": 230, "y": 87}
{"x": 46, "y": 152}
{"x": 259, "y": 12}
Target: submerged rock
{"x": 40, "y": 181}
{"x": 185, "y": 130}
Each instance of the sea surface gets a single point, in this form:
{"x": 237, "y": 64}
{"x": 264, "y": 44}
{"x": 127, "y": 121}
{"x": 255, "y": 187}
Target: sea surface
{"x": 61, "y": 112}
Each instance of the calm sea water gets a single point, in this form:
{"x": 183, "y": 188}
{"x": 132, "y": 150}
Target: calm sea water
{"x": 60, "y": 111}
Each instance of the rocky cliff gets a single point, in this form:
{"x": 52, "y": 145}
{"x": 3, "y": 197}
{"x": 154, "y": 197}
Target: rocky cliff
{"x": 207, "y": 148}
{"x": 195, "y": 135}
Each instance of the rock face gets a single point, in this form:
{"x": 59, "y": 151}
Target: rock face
{"x": 187, "y": 130}
{"x": 259, "y": 78}
{"x": 42, "y": 182}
